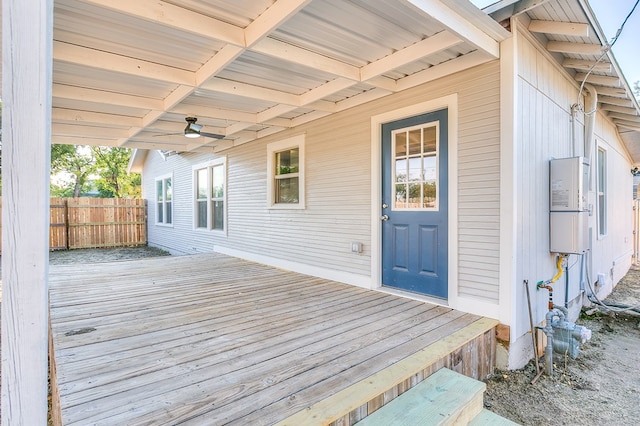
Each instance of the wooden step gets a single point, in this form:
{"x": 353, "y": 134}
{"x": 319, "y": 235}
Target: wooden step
{"x": 444, "y": 398}
{"x": 489, "y": 418}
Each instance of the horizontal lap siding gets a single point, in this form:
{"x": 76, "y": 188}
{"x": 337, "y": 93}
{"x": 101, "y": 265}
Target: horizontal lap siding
{"x": 338, "y": 188}
{"x": 479, "y": 186}
{"x": 338, "y": 200}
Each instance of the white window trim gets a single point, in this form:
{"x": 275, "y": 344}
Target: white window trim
{"x": 293, "y": 142}
{"x": 208, "y": 165}
{"x": 601, "y": 235}
{"x": 163, "y": 178}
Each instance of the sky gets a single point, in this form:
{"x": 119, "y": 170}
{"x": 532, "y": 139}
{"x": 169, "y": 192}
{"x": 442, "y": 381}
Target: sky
{"x": 610, "y": 14}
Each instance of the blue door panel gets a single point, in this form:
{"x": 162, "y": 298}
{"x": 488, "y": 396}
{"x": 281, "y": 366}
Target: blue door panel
{"x": 414, "y": 241}
{"x": 428, "y": 249}
{"x": 401, "y": 248}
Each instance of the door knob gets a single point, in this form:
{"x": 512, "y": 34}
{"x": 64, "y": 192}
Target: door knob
{"x": 384, "y": 218}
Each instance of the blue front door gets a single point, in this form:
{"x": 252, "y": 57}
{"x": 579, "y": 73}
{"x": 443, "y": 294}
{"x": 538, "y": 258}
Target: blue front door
{"x": 415, "y": 204}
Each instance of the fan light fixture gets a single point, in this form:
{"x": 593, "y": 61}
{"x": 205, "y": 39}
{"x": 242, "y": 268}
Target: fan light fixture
{"x": 192, "y": 130}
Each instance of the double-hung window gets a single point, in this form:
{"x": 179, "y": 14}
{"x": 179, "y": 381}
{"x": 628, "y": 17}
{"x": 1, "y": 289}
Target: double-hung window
{"x": 285, "y": 164}
{"x": 602, "y": 191}
{"x": 210, "y": 195}
{"x": 164, "y": 204}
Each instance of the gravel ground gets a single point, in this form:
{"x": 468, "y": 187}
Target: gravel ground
{"x": 600, "y": 387}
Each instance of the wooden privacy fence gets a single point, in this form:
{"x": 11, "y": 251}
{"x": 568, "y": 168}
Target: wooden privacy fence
{"x": 96, "y": 222}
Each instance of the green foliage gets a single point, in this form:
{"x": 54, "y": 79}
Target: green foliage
{"x": 100, "y": 168}
{"x": 75, "y": 161}
{"x": 113, "y": 180}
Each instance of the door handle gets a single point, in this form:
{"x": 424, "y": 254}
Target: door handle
{"x": 384, "y": 218}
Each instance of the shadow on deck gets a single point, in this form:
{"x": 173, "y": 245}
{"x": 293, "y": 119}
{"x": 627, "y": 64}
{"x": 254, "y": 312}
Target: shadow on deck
{"x": 211, "y": 339}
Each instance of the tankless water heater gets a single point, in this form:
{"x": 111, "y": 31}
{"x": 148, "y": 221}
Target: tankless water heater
{"x": 569, "y": 179}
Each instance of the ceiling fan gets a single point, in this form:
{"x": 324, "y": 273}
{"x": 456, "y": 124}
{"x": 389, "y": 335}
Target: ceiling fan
{"x": 193, "y": 130}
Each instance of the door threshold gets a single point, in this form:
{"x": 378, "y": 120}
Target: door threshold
{"x": 415, "y": 296}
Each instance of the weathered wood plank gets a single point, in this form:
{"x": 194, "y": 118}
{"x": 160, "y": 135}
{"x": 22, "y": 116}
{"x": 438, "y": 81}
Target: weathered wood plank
{"x": 213, "y": 339}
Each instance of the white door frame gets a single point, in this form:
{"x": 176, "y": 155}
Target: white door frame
{"x": 451, "y": 103}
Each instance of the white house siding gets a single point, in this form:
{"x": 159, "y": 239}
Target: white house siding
{"x": 543, "y": 119}
{"x": 339, "y": 192}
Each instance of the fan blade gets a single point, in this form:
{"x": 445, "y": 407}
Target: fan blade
{"x": 212, "y": 135}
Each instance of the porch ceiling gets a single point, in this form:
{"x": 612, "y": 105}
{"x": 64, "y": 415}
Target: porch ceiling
{"x": 571, "y": 33}
{"x": 127, "y": 73}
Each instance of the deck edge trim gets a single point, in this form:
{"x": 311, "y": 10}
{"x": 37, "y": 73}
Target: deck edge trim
{"x": 346, "y": 400}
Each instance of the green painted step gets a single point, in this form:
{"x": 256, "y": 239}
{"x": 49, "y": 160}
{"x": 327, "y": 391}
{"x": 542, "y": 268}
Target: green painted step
{"x": 444, "y": 398}
{"x": 488, "y": 418}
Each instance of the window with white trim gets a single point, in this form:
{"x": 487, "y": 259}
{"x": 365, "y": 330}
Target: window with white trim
{"x": 210, "y": 195}
{"x": 601, "y": 183}
{"x": 285, "y": 163}
{"x": 164, "y": 200}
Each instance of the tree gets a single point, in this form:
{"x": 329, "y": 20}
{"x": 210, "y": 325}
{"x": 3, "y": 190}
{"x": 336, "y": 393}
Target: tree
{"x": 113, "y": 180}
{"x": 636, "y": 89}
{"x": 77, "y": 162}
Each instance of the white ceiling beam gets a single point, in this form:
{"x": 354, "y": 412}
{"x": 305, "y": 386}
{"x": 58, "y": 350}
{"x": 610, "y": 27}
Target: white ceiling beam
{"x": 272, "y": 18}
{"x": 69, "y": 53}
{"x": 574, "y": 48}
{"x": 178, "y": 18}
{"x": 599, "y": 80}
{"x": 327, "y": 89}
{"x": 110, "y": 98}
{"x": 610, "y": 91}
{"x": 446, "y": 68}
{"x": 620, "y": 109}
{"x": 265, "y": 115}
{"x": 82, "y": 140}
{"x": 624, "y": 117}
{"x": 310, "y": 116}
{"x": 368, "y": 96}
{"x": 385, "y": 83}
{"x": 628, "y": 125}
{"x": 73, "y": 116}
{"x": 459, "y": 26}
{"x": 297, "y": 55}
{"x": 284, "y": 123}
{"x": 62, "y": 129}
{"x": 616, "y": 101}
{"x": 320, "y": 105}
{"x": 151, "y": 145}
{"x": 214, "y": 113}
{"x": 217, "y": 63}
{"x": 560, "y": 28}
{"x": 250, "y": 91}
{"x": 416, "y": 51}
{"x": 583, "y": 65}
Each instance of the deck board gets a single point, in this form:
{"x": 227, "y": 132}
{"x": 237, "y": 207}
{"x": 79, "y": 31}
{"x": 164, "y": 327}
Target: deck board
{"x": 211, "y": 339}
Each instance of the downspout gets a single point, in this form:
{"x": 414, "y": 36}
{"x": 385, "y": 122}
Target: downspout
{"x": 590, "y": 108}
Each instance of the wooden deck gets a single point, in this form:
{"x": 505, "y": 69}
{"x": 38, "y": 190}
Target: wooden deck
{"x": 210, "y": 339}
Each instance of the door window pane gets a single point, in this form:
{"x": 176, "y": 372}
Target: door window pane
{"x": 416, "y": 163}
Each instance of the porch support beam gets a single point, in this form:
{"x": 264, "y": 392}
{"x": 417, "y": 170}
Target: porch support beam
{"x": 176, "y": 17}
{"x": 26, "y": 127}
{"x": 560, "y": 28}
{"x": 458, "y": 25}
{"x": 584, "y": 65}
